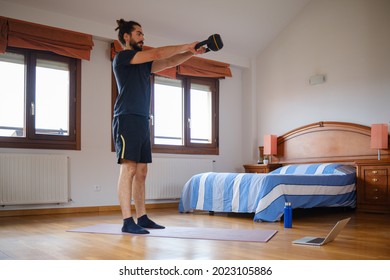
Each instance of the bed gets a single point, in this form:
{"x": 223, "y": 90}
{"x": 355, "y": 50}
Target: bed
{"x": 317, "y": 170}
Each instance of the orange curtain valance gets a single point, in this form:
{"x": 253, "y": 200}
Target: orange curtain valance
{"x": 22, "y": 34}
{"x": 200, "y": 67}
{"x": 195, "y": 66}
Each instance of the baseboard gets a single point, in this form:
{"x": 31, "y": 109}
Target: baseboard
{"x": 73, "y": 210}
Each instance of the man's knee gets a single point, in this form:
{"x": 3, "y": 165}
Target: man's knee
{"x": 128, "y": 168}
{"x": 141, "y": 172}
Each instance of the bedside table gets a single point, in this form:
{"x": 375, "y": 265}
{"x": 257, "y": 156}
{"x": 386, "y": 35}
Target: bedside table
{"x": 373, "y": 186}
{"x": 261, "y": 168}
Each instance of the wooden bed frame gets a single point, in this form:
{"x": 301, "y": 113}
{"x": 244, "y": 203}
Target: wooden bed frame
{"x": 326, "y": 141}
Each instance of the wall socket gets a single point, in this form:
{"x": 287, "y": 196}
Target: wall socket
{"x": 97, "y": 188}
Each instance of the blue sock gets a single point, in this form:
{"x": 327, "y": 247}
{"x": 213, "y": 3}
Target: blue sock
{"x": 130, "y": 226}
{"x": 145, "y": 222}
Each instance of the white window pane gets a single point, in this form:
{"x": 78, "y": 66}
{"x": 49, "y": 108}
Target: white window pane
{"x": 168, "y": 112}
{"x": 12, "y": 95}
{"x": 201, "y": 114}
{"x": 52, "y": 98}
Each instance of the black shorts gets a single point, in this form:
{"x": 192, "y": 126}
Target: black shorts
{"x": 131, "y": 135}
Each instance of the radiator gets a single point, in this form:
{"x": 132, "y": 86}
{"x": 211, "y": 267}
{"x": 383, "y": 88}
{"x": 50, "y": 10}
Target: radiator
{"x": 167, "y": 176}
{"x": 33, "y": 179}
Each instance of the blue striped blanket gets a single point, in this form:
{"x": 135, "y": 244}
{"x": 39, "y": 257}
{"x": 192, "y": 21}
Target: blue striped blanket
{"x": 305, "y": 186}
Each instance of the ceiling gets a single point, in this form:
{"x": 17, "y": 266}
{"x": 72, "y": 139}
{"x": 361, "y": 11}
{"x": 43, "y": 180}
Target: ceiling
{"x": 245, "y": 26}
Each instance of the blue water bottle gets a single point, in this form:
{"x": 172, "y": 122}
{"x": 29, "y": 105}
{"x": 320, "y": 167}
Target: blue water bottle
{"x": 287, "y": 215}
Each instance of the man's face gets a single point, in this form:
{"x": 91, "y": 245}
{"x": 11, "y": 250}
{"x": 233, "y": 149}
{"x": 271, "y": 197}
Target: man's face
{"x": 137, "y": 39}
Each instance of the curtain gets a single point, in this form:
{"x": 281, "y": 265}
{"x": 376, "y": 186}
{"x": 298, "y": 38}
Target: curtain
{"x": 195, "y": 66}
{"x": 200, "y": 67}
{"x": 22, "y": 34}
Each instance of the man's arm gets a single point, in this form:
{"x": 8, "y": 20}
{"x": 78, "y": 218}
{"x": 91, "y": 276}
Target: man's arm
{"x": 159, "y": 65}
{"x": 165, "y": 57}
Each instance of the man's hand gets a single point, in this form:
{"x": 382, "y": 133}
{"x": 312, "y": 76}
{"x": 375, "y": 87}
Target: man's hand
{"x": 192, "y": 49}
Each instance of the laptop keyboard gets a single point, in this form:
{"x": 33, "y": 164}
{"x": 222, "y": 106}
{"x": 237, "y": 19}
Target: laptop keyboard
{"x": 317, "y": 240}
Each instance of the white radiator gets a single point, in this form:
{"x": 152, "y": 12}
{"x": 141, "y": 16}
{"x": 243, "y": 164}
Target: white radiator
{"x": 167, "y": 176}
{"x": 33, "y": 179}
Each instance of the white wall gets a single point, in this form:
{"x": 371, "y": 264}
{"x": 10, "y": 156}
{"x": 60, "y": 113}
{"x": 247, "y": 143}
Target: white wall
{"x": 349, "y": 42}
{"x": 95, "y": 164}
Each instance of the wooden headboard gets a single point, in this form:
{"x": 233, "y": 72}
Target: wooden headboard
{"x": 327, "y": 142}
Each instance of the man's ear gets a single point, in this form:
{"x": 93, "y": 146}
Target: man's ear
{"x": 126, "y": 37}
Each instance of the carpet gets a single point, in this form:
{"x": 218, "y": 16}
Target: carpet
{"x": 243, "y": 235}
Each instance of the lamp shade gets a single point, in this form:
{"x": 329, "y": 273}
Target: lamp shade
{"x": 270, "y": 145}
{"x": 379, "y": 136}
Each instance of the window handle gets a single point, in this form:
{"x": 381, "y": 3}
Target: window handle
{"x": 32, "y": 109}
{"x": 151, "y": 120}
{"x": 189, "y": 123}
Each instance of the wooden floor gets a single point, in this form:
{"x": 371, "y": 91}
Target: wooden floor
{"x": 45, "y": 237}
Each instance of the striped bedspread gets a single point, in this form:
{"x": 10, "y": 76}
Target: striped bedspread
{"x": 305, "y": 186}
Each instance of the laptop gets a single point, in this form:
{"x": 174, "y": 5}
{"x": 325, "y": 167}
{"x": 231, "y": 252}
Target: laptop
{"x": 318, "y": 241}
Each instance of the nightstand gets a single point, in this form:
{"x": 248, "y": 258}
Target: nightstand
{"x": 261, "y": 168}
{"x": 373, "y": 186}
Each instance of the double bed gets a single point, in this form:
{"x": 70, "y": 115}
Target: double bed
{"x": 317, "y": 170}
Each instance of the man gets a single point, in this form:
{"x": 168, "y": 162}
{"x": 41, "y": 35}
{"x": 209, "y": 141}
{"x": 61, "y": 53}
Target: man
{"x": 132, "y": 68}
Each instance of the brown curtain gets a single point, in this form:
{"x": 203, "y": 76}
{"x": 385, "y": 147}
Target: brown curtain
{"x": 22, "y": 34}
{"x": 200, "y": 67}
{"x": 195, "y": 66}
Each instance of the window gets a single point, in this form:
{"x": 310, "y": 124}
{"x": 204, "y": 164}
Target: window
{"x": 39, "y": 100}
{"x": 167, "y": 116}
{"x": 184, "y": 114}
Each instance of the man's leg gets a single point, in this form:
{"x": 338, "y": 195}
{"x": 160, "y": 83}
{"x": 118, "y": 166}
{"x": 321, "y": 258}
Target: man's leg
{"x": 127, "y": 173}
{"x": 139, "y": 197}
{"x": 139, "y": 188}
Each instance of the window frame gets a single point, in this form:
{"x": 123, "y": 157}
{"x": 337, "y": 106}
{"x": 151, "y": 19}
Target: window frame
{"x": 33, "y": 140}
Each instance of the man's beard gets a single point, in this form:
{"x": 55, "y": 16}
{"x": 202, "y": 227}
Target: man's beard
{"x": 136, "y": 46}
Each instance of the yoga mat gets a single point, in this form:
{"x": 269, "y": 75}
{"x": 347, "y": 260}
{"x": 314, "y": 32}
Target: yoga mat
{"x": 243, "y": 235}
